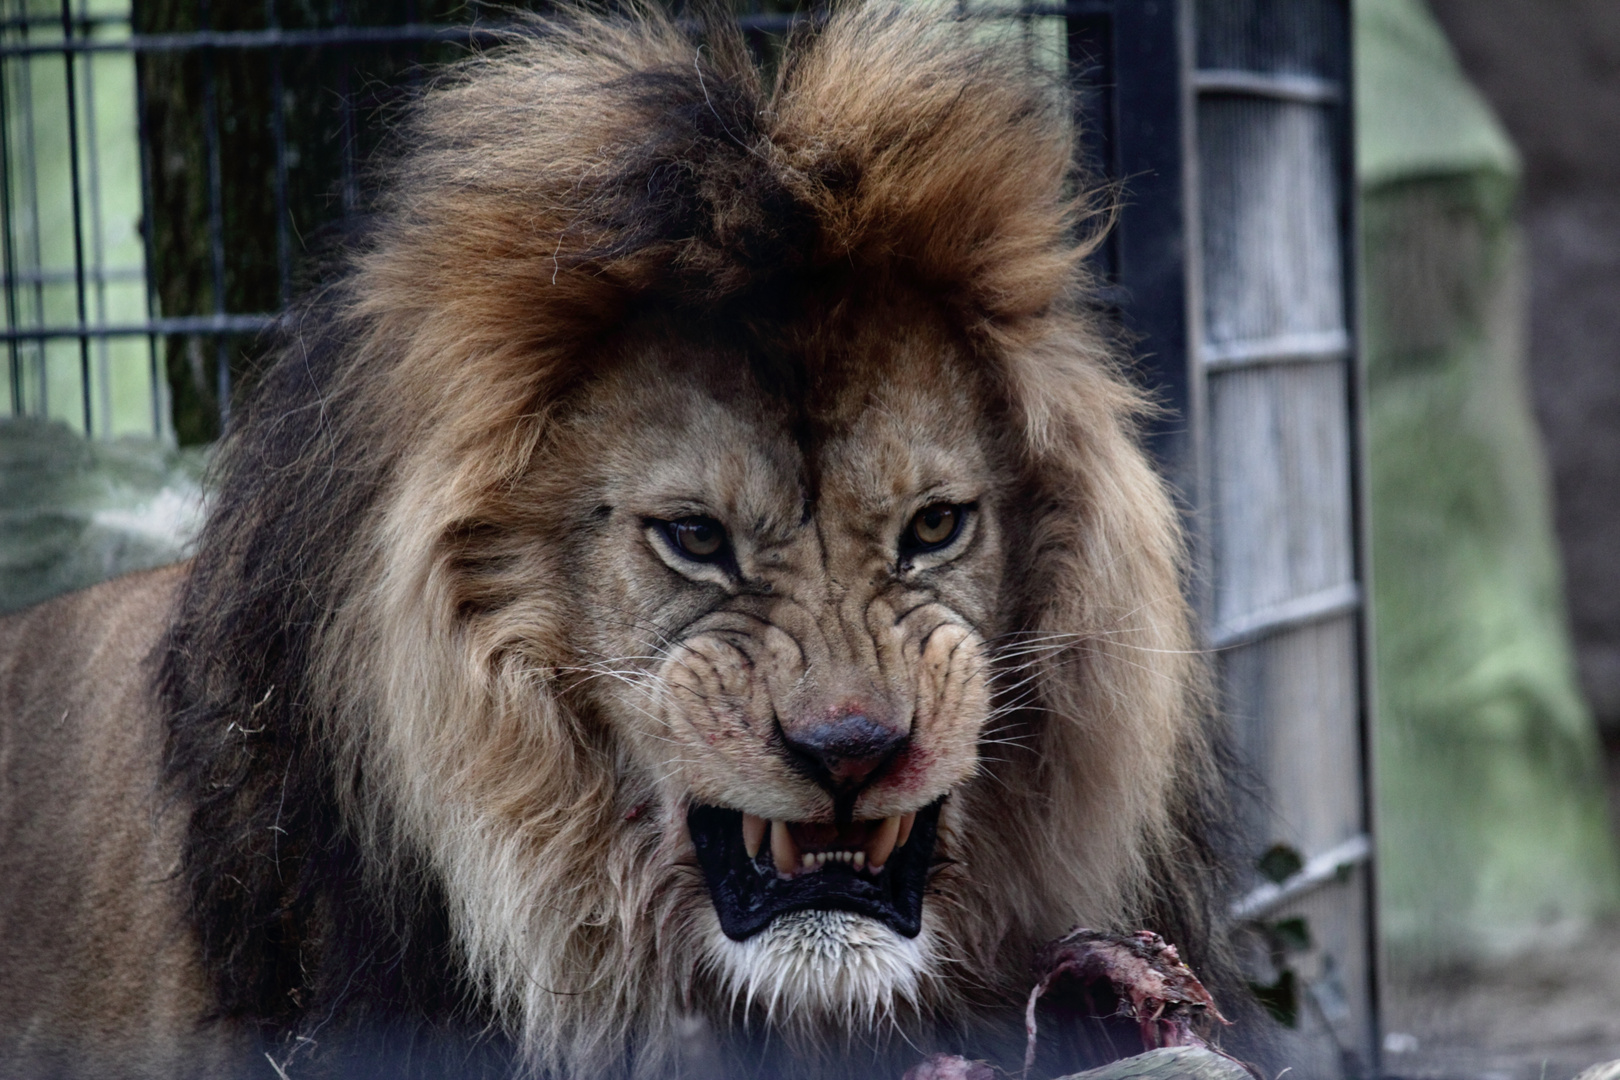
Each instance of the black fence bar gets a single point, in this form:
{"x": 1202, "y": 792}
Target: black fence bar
{"x": 349, "y": 189}
{"x": 8, "y": 252}
{"x": 277, "y": 37}
{"x": 96, "y": 273}
{"x": 31, "y": 140}
{"x": 85, "y": 21}
{"x": 1345, "y": 121}
{"x": 216, "y": 220}
{"x": 197, "y": 325}
{"x": 155, "y": 360}
{"x": 78, "y": 212}
{"x": 1150, "y": 104}
{"x": 278, "y": 134}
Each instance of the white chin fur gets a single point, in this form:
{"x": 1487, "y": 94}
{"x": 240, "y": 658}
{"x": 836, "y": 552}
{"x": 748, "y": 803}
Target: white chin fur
{"x": 814, "y": 971}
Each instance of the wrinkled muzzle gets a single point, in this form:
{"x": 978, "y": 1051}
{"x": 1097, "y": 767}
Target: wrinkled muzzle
{"x": 826, "y": 756}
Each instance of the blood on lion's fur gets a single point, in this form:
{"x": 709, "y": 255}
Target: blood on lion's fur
{"x": 437, "y": 693}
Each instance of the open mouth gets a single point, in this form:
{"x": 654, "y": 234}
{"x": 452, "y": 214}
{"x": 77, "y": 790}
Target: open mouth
{"x": 758, "y": 869}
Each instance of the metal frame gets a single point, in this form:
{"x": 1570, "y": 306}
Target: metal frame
{"x": 1146, "y": 52}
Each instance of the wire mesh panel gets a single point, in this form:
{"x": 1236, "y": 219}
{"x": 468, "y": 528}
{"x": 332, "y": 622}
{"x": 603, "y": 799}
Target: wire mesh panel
{"x": 70, "y": 214}
{"x": 260, "y": 121}
{"x": 1228, "y": 122}
{"x": 1273, "y": 355}
{"x": 164, "y": 166}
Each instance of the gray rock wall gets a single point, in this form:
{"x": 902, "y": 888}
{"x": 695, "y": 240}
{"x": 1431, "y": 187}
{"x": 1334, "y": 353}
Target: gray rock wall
{"x": 74, "y": 512}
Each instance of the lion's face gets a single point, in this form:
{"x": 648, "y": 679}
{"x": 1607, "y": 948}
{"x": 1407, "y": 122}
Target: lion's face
{"x": 789, "y": 606}
{"x": 702, "y": 550}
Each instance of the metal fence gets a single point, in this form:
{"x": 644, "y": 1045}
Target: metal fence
{"x": 134, "y": 289}
{"x": 170, "y": 172}
{"x": 149, "y": 155}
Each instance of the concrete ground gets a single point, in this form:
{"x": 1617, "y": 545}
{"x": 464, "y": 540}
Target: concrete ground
{"x": 1547, "y": 1017}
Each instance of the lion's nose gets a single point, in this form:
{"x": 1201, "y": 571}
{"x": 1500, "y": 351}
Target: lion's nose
{"x": 845, "y": 749}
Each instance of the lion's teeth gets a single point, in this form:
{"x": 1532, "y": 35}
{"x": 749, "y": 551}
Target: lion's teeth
{"x": 906, "y": 822}
{"x": 784, "y": 852}
{"x": 889, "y": 834}
{"x": 879, "y": 848}
{"x": 753, "y": 833}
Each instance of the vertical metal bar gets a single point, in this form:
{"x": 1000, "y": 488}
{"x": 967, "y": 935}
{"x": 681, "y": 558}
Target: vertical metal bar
{"x": 31, "y": 152}
{"x": 7, "y": 250}
{"x": 1154, "y": 230}
{"x": 98, "y": 247}
{"x": 350, "y": 193}
{"x": 278, "y": 133}
{"x": 1361, "y": 495}
{"x": 413, "y": 71}
{"x": 1090, "y": 40}
{"x": 216, "y": 226}
{"x": 155, "y": 362}
{"x": 78, "y": 213}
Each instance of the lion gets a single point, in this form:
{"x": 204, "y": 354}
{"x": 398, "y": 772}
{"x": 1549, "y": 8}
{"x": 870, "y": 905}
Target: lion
{"x": 688, "y": 598}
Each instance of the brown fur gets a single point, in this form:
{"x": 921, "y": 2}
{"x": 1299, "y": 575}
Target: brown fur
{"x": 437, "y": 699}
{"x": 98, "y": 974}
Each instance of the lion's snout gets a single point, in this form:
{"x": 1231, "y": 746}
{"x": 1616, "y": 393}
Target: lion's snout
{"x": 843, "y": 749}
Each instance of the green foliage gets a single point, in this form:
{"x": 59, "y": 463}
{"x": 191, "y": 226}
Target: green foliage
{"x": 1279, "y": 863}
{"x": 1289, "y": 935}
{"x": 1283, "y": 939}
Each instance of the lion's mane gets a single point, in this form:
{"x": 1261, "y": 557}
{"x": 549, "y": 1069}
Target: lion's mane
{"x": 395, "y": 818}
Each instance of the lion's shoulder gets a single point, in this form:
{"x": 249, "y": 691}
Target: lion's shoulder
{"x": 97, "y": 956}
{"x": 111, "y": 628}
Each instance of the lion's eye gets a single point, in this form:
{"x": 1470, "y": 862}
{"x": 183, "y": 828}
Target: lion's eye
{"x": 700, "y": 538}
{"x": 934, "y": 526}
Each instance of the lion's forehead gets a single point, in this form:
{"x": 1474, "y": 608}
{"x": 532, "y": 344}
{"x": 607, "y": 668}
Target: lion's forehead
{"x": 862, "y": 451}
